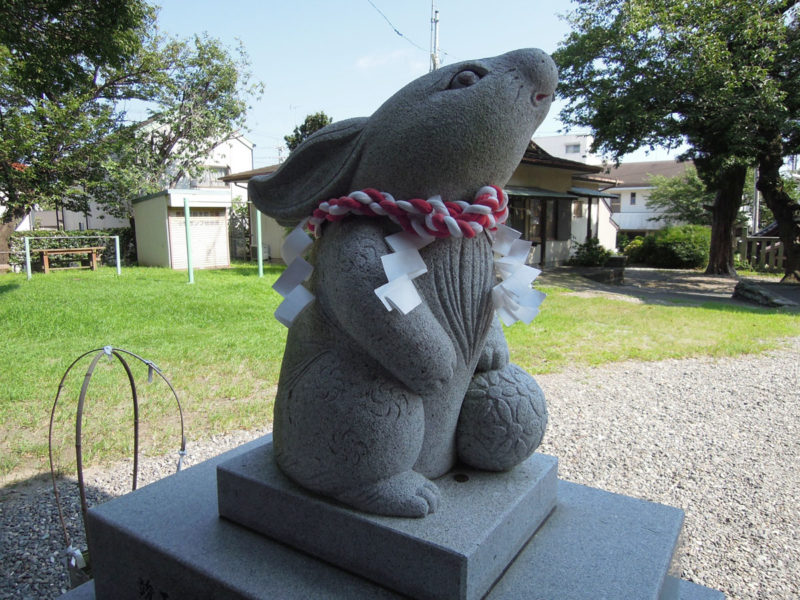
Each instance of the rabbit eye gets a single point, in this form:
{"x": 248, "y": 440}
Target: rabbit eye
{"x": 464, "y": 79}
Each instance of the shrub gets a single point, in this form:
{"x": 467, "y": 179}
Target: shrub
{"x": 679, "y": 247}
{"x": 623, "y": 239}
{"x": 72, "y": 239}
{"x": 633, "y": 250}
{"x": 590, "y": 254}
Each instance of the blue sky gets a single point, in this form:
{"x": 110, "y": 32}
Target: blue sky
{"x": 344, "y": 58}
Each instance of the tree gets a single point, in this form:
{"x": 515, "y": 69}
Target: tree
{"x": 65, "y": 69}
{"x": 203, "y": 101}
{"x": 311, "y": 124}
{"x": 781, "y": 137}
{"x": 681, "y": 199}
{"x": 708, "y": 72}
{"x": 63, "y": 66}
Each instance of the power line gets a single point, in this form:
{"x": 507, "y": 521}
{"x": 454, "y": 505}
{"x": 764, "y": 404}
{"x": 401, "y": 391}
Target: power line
{"x": 397, "y": 31}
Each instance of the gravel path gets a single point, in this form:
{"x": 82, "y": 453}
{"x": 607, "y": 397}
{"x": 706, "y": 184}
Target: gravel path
{"x": 717, "y": 438}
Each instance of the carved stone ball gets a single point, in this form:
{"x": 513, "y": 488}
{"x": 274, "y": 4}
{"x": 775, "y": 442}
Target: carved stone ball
{"x": 502, "y": 420}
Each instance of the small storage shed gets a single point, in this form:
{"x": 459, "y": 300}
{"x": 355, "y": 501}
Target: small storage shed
{"x": 161, "y": 228}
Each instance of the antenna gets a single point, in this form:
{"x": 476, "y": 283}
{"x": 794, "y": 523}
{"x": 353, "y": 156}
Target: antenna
{"x": 434, "y": 37}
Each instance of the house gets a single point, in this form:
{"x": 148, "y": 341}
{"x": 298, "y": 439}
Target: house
{"x": 230, "y": 156}
{"x": 94, "y": 218}
{"x": 633, "y": 186}
{"x": 160, "y": 230}
{"x": 555, "y": 202}
{"x": 160, "y": 218}
{"x": 630, "y": 181}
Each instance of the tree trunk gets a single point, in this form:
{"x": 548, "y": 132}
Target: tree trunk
{"x": 785, "y": 210}
{"x": 8, "y": 223}
{"x": 6, "y": 229}
{"x": 727, "y": 202}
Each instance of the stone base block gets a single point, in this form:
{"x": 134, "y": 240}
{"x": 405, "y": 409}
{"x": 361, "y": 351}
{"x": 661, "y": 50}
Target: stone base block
{"x": 458, "y": 552}
{"x": 166, "y": 540}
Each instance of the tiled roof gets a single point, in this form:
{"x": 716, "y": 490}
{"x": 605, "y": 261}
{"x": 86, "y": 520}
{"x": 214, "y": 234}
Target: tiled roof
{"x": 637, "y": 174}
{"x": 246, "y": 175}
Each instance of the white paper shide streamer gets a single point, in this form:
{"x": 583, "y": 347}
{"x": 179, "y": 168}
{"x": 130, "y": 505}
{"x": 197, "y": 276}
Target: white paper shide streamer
{"x": 401, "y": 267}
{"x": 514, "y": 299}
{"x": 290, "y": 284}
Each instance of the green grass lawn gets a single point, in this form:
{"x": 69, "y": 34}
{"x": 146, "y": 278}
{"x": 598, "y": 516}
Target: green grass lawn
{"x": 587, "y": 331}
{"x": 221, "y": 348}
{"x": 215, "y": 340}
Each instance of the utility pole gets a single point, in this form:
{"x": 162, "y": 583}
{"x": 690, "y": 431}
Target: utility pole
{"x": 434, "y": 37}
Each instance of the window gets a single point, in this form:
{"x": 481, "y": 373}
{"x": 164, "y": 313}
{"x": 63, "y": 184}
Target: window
{"x": 572, "y": 149}
{"x": 516, "y": 216}
{"x": 633, "y": 198}
{"x": 538, "y": 216}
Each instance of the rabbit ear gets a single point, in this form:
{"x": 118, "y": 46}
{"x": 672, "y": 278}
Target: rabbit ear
{"x": 318, "y": 169}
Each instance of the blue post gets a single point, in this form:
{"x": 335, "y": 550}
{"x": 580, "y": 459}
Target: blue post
{"x": 116, "y": 251}
{"x": 260, "y": 249}
{"x": 186, "y": 216}
{"x": 28, "y": 257}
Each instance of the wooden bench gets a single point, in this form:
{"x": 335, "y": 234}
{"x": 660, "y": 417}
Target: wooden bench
{"x": 91, "y": 251}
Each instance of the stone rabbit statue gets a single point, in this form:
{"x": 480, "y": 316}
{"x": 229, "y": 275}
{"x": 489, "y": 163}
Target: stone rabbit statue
{"x": 374, "y": 404}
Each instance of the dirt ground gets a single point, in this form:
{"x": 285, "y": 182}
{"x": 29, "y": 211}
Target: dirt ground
{"x": 664, "y": 286}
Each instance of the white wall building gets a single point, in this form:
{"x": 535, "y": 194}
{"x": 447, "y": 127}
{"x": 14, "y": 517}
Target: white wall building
{"x": 631, "y": 211}
{"x": 574, "y": 147}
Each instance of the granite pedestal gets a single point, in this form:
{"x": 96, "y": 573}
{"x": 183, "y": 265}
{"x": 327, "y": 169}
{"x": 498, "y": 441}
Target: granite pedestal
{"x": 482, "y": 522}
{"x": 167, "y": 540}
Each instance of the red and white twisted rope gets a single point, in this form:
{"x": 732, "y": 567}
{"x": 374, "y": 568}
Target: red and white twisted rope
{"x": 431, "y": 217}
{"x": 423, "y": 221}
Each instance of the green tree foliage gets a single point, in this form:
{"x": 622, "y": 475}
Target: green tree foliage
{"x": 716, "y": 74}
{"x": 201, "y": 100}
{"x": 63, "y": 66}
{"x": 311, "y": 124}
{"x": 55, "y": 47}
{"x": 681, "y": 199}
{"x": 66, "y": 68}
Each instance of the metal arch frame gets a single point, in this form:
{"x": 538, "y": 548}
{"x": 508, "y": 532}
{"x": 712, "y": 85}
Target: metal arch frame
{"x": 116, "y": 352}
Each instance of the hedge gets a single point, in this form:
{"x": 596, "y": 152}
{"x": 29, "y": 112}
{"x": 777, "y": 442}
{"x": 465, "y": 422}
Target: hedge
{"x": 678, "y": 247}
{"x": 72, "y": 239}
